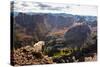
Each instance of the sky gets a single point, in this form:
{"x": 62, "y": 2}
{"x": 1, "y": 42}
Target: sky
{"x": 45, "y": 7}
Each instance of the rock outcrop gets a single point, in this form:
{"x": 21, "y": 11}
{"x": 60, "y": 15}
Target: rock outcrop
{"x": 27, "y": 55}
{"x": 77, "y": 35}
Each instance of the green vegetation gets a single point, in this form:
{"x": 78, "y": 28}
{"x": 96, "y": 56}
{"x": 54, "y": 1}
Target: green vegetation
{"x": 61, "y": 53}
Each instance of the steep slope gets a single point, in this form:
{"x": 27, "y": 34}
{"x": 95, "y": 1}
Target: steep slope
{"x": 77, "y": 35}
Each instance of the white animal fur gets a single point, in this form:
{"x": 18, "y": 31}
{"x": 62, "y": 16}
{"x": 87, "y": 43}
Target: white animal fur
{"x": 38, "y": 46}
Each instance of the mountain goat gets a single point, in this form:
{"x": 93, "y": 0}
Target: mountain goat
{"x": 39, "y": 46}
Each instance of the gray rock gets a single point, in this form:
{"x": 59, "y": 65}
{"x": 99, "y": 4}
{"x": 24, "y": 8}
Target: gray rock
{"x": 77, "y": 35}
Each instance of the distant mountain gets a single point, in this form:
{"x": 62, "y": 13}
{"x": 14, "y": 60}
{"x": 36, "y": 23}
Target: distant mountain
{"x": 40, "y": 25}
{"x": 33, "y": 24}
{"x": 90, "y": 20}
{"x": 77, "y": 35}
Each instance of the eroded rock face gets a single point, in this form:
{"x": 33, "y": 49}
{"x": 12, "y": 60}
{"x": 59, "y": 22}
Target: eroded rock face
{"x": 77, "y": 35}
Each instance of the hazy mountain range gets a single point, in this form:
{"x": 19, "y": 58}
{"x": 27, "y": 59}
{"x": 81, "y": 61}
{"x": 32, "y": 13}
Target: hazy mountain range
{"x": 38, "y": 26}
